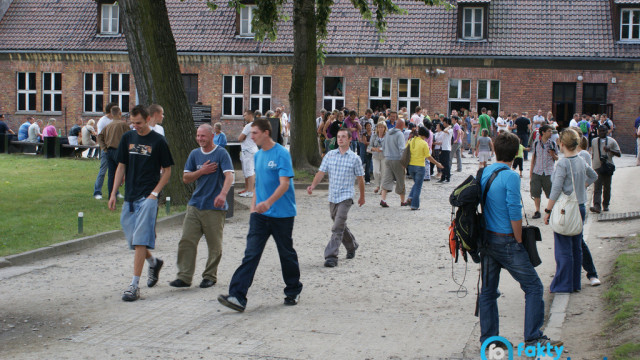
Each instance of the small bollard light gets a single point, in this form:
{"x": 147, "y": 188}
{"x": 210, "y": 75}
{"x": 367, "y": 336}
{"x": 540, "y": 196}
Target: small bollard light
{"x": 80, "y": 222}
{"x": 168, "y": 205}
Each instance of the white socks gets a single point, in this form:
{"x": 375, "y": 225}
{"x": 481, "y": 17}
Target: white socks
{"x": 135, "y": 281}
{"x": 151, "y": 261}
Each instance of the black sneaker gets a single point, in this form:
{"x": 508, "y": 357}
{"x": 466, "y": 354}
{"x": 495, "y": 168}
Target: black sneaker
{"x": 605, "y": 208}
{"x": 352, "y": 254}
{"x": 231, "y": 302}
{"x": 331, "y": 263}
{"x": 179, "y": 283}
{"x": 131, "y": 294}
{"x": 440, "y": 181}
{"x": 154, "y": 272}
{"x": 543, "y": 341}
{"x": 292, "y": 300}
{"x": 207, "y": 283}
{"x": 536, "y": 215}
{"x": 595, "y": 209}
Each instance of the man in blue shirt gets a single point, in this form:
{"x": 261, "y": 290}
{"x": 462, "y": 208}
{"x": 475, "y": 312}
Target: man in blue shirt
{"x": 503, "y": 248}
{"x": 23, "y": 131}
{"x": 211, "y": 168}
{"x": 343, "y": 166}
{"x": 273, "y": 210}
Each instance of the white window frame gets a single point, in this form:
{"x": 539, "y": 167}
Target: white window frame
{"x": 246, "y": 18}
{"x": 26, "y": 92}
{"x": 630, "y": 24}
{"x": 110, "y": 19}
{"x": 473, "y": 21}
{"x": 233, "y": 95}
{"x": 119, "y": 94}
{"x": 379, "y": 96}
{"x": 459, "y": 95}
{"x": 94, "y": 93}
{"x": 260, "y": 95}
{"x": 410, "y": 97}
{"x": 52, "y": 92}
{"x": 489, "y": 86}
{"x": 334, "y": 98}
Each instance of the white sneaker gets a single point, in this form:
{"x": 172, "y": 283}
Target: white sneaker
{"x": 98, "y": 197}
{"x": 246, "y": 194}
{"x": 120, "y": 196}
{"x": 595, "y": 281}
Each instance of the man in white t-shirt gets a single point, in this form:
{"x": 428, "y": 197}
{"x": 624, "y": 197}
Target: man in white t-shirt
{"x": 501, "y": 122}
{"x": 575, "y": 120}
{"x": 319, "y": 118}
{"x": 248, "y": 150}
{"x": 539, "y": 120}
{"x": 417, "y": 116}
{"x": 156, "y": 115}
{"x": 102, "y": 123}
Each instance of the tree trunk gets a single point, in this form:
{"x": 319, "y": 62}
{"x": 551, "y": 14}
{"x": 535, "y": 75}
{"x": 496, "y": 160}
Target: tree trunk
{"x": 154, "y": 62}
{"x": 302, "y": 96}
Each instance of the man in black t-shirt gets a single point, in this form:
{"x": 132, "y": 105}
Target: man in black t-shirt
{"x": 142, "y": 155}
{"x": 523, "y": 128}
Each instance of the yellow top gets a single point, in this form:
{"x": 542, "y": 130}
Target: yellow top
{"x": 419, "y": 151}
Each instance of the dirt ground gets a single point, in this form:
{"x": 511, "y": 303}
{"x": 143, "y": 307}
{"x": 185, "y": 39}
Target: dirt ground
{"x": 395, "y": 300}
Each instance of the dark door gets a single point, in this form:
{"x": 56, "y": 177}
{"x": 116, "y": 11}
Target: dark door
{"x": 564, "y": 102}
{"x": 190, "y": 82}
{"x": 594, "y": 99}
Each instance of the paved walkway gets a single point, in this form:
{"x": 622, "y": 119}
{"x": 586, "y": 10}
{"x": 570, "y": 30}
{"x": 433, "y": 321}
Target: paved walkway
{"x": 396, "y": 299}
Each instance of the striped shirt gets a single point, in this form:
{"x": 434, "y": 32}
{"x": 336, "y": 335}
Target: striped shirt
{"x": 343, "y": 170}
{"x": 544, "y": 161}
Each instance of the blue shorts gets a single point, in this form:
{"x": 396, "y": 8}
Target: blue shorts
{"x": 139, "y": 226}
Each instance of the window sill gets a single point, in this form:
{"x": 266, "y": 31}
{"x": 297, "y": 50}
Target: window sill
{"x": 26, "y": 112}
{"x": 629, "y": 42}
{"x": 231, "y": 117}
{"x": 57, "y": 113}
{"x": 91, "y": 114}
{"x": 108, "y": 35}
{"x": 246, "y": 36}
{"x": 472, "y": 40}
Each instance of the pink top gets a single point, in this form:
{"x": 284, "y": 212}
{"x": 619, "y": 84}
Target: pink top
{"x": 49, "y": 130}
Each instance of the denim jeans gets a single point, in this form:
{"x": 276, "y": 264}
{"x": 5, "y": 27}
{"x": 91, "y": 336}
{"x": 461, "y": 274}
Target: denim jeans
{"x": 112, "y": 164}
{"x": 504, "y": 252}
{"x": 97, "y": 188}
{"x": 445, "y": 157}
{"x": 568, "y": 254}
{"x": 353, "y": 146}
{"x": 417, "y": 174}
{"x": 587, "y": 260}
{"x": 138, "y": 220}
{"x": 362, "y": 151}
{"x": 261, "y": 227}
{"x": 368, "y": 167}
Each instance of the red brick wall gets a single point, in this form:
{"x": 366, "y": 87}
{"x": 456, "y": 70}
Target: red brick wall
{"x": 522, "y": 89}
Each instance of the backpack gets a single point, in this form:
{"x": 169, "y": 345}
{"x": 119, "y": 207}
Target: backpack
{"x": 584, "y": 126}
{"x": 467, "y": 224}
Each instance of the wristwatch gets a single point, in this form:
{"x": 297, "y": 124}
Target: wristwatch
{"x": 154, "y": 193}
{"x": 547, "y": 211}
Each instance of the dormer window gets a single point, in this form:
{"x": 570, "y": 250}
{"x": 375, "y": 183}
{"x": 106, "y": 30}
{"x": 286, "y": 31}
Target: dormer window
{"x": 246, "y": 16}
{"x": 109, "y": 19}
{"x": 472, "y": 19}
{"x": 630, "y": 25}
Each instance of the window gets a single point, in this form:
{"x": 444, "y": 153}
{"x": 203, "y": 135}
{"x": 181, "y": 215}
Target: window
{"x": 630, "y": 25}
{"x": 26, "y": 91}
{"x": 51, "y": 92}
{"x": 472, "y": 23}
{"x": 119, "y": 93}
{"x": 190, "y": 82}
{"x": 260, "y": 93}
{"x": 594, "y": 98}
{"x": 93, "y": 92}
{"x": 459, "y": 94}
{"x": 110, "y": 19}
{"x": 380, "y": 93}
{"x": 333, "y": 93}
{"x": 409, "y": 94}
{"x": 232, "y": 95}
{"x": 246, "y": 16}
{"x": 489, "y": 95}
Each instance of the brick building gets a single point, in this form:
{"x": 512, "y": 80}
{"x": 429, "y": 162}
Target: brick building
{"x": 67, "y": 59}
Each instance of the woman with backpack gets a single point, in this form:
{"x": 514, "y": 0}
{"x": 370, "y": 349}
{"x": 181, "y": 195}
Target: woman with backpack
{"x": 419, "y": 154}
{"x": 570, "y": 176}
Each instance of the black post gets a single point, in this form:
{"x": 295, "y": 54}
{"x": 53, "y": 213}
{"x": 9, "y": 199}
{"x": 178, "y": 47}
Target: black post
{"x": 51, "y": 147}
{"x": 230, "y": 201}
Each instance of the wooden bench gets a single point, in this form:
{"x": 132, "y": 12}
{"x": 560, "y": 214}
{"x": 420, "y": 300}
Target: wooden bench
{"x": 67, "y": 150}
{"x": 24, "y": 147}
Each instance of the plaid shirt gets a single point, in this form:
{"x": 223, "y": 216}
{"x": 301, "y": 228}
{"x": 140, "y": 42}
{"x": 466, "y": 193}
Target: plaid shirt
{"x": 544, "y": 161}
{"x": 342, "y": 169}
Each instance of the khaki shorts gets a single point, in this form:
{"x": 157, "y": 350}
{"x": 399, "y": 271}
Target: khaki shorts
{"x": 393, "y": 171}
{"x": 539, "y": 183}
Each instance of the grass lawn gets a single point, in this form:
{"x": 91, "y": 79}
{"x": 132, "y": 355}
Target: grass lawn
{"x": 623, "y": 300}
{"x": 40, "y": 200}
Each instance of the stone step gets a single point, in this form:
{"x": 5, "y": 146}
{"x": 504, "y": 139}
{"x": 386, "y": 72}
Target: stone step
{"x": 619, "y": 216}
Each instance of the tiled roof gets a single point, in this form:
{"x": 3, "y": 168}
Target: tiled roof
{"x": 627, "y": 1}
{"x": 517, "y": 28}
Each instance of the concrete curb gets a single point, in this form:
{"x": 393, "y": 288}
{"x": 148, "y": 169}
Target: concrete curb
{"x": 80, "y": 243}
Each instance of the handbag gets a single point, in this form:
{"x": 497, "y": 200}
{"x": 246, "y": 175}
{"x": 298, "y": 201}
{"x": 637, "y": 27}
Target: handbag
{"x": 530, "y": 236}
{"x": 406, "y": 155}
{"x": 565, "y": 216}
{"x": 606, "y": 168}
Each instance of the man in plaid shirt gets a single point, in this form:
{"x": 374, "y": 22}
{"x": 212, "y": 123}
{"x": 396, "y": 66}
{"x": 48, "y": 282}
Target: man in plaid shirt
{"x": 545, "y": 154}
{"x": 343, "y": 166}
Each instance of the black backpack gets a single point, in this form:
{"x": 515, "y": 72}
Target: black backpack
{"x": 467, "y": 223}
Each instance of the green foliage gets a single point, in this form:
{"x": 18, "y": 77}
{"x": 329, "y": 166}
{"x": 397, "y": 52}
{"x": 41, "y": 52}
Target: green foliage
{"x": 41, "y": 199}
{"x": 628, "y": 351}
{"x": 623, "y": 298}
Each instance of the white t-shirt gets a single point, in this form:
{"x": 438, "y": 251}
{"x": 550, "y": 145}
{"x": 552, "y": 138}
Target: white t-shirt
{"x": 247, "y": 144}
{"x": 573, "y": 123}
{"x": 538, "y": 121}
{"x": 158, "y": 128}
{"x": 502, "y": 124}
{"x": 446, "y": 140}
{"x": 103, "y": 122}
{"x": 318, "y": 122}
{"x": 417, "y": 119}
